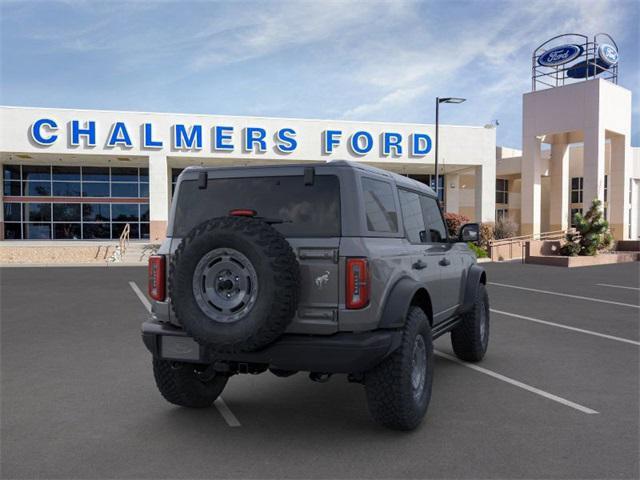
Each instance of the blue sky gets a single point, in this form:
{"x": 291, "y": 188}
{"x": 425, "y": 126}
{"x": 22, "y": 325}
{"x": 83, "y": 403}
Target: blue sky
{"x": 355, "y": 60}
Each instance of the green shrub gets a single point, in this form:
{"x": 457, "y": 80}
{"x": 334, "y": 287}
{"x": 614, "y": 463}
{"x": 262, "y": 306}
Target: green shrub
{"x": 592, "y": 233}
{"x": 480, "y": 252}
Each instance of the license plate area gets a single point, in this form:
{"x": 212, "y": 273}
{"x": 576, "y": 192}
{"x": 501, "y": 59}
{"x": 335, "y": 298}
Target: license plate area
{"x": 179, "y": 348}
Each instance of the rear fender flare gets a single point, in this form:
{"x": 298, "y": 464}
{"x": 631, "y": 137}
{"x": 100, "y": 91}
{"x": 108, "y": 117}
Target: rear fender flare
{"x": 399, "y": 300}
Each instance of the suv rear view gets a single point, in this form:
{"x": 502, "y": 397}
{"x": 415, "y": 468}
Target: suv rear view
{"x": 314, "y": 268}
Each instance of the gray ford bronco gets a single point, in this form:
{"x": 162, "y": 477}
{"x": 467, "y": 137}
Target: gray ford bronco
{"x": 325, "y": 268}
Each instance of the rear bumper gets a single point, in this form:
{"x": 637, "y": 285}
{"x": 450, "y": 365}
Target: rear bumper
{"x": 338, "y": 353}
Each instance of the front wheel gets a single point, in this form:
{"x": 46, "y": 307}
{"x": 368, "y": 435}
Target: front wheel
{"x": 399, "y": 388}
{"x": 180, "y": 384}
{"x": 470, "y": 338}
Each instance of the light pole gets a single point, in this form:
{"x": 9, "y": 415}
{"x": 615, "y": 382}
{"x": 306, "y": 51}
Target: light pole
{"x": 438, "y": 102}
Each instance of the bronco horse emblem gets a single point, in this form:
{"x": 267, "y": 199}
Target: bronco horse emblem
{"x": 322, "y": 280}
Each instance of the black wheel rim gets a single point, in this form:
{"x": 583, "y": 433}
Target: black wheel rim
{"x": 225, "y": 285}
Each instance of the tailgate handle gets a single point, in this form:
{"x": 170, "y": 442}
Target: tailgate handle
{"x": 313, "y": 254}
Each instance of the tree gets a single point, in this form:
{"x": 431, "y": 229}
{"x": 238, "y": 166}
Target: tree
{"x": 592, "y": 233}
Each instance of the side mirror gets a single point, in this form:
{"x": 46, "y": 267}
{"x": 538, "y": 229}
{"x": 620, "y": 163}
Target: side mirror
{"x": 469, "y": 232}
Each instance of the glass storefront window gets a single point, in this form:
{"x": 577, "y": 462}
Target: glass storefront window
{"x": 12, "y": 188}
{"x": 37, "y": 231}
{"x": 36, "y": 172}
{"x": 67, "y": 231}
{"x": 37, "y": 189}
{"x": 12, "y": 231}
{"x": 95, "y": 174}
{"x": 66, "y": 189}
{"x": 129, "y": 190}
{"x": 74, "y": 219}
{"x": 11, "y": 172}
{"x": 93, "y": 189}
{"x": 66, "y": 173}
{"x": 93, "y": 231}
{"x": 66, "y": 212}
{"x": 12, "y": 212}
{"x": 119, "y": 174}
{"x": 96, "y": 212}
{"x": 124, "y": 212}
{"x": 37, "y": 212}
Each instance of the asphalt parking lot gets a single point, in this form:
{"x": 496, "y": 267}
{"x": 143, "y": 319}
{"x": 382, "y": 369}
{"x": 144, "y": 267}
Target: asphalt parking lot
{"x": 556, "y": 397}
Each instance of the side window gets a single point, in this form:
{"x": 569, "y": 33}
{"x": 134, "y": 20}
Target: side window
{"x": 379, "y": 206}
{"x": 436, "y": 231}
{"x": 412, "y": 216}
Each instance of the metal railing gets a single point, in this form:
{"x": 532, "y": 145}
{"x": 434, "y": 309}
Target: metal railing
{"x": 123, "y": 242}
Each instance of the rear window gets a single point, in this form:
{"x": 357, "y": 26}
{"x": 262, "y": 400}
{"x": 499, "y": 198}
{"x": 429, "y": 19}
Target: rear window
{"x": 307, "y": 210}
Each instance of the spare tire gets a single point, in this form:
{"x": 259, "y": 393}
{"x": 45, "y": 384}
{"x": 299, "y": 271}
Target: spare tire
{"x": 234, "y": 284}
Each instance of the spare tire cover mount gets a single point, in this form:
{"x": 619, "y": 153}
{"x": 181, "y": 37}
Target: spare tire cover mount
{"x": 225, "y": 285}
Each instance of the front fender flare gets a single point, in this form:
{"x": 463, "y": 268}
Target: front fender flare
{"x": 475, "y": 277}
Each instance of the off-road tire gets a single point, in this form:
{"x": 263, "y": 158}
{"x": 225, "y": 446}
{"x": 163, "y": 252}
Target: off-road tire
{"x": 388, "y": 386}
{"x": 278, "y": 287}
{"x": 179, "y": 384}
{"x": 468, "y": 339}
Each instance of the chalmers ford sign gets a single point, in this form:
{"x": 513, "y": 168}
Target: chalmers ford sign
{"x": 46, "y": 132}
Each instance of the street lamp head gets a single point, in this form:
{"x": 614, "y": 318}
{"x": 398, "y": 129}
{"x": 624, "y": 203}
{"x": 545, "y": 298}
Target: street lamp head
{"x": 451, "y": 100}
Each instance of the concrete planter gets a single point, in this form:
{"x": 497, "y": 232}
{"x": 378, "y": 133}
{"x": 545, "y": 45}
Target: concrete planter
{"x": 602, "y": 259}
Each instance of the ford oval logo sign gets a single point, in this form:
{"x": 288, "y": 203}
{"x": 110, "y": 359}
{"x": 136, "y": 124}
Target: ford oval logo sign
{"x": 608, "y": 54}
{"x": 560, "y": 55}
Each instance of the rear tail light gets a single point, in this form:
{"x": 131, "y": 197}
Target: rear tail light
{"x": 243, "y": 212}
{"x": 157, "y": 277}
{"x": 357, "y": 283}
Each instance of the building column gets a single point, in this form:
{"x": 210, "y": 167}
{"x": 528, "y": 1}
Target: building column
{"x": 531, "y": 179}
{"x": 452, "y": 192}
{"x": 559, "y": 201}
{"x": 158, "y": 197}
{"x": 593, "y": 166}
{"x": 619, "y": 186}
{"x": 485, "y": 192}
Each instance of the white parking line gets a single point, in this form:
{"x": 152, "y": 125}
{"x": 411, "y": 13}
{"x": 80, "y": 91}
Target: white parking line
{"x": 228, "y": 416}
{"x": 617, "y": 286}
{"x": 225, "y": 412}
{"x": 141, "y": 296}
{"x": 518, "y": 384}
{"x": 566, "y": 327}
{"x": 590, "y": 299}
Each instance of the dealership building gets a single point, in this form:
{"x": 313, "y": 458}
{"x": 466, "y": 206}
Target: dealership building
{"x": 86, "y": 174}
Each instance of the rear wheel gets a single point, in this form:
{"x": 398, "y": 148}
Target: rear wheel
{"x": 399, "y": 388}
{"x": 470, "y": 338}
{"x": 180, "y": 384}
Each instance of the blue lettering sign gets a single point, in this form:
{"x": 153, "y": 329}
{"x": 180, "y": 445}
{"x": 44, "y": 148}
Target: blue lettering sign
{"x": 37, "y": 134}
{"x": 89, "y": 131}
{"x": 222, "y": 135}
{"x": 357, "y": 146}
{"x": 331, "y": 139}
{"x": 421, "y": 144}
{"x": 391, "y": 140}
{"x": 119, "y": 136}
{"x": 286, "y": 141}
{"x": 147, "y": 138}
{"x": 183, "y": 138}
{"x": 255, "y": 136}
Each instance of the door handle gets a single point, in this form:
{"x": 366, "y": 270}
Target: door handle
{"x": 419, "y": 265}
{"x": 444, "y": 262}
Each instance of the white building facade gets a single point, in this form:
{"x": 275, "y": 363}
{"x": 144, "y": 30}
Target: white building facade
{"x": 85, "y": 174}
